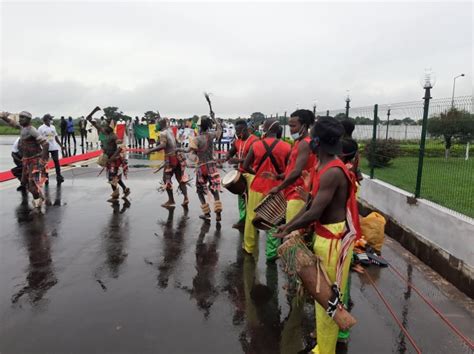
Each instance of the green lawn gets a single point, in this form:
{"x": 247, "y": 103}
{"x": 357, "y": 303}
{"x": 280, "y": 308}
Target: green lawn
{"x": 7, "y": 130}
{"x": 446, "y": 182}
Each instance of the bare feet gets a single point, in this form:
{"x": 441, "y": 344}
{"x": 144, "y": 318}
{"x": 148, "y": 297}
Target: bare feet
{"x": 239, "y": 226}
{"x": 206, "y": 217}
{"x": 126, "y": 193}
{"x": 168, "y": 204}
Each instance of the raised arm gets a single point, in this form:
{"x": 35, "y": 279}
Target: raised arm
{"x": 94, "y": 124}
{"x": 218, "y": 126}
{"x": 11, "y": 122}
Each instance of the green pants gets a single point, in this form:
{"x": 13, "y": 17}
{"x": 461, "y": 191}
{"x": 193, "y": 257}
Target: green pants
{"x": 272, "y": 244}
{"x": 344, "y": 335}
{"x": 251, "y": 232}
{"x": 242, "y": 207}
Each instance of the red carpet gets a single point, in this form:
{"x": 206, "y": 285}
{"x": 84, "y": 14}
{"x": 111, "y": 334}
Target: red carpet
{"x": 7, "y": 175}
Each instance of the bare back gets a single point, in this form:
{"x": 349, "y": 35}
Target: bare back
{"x": 170, "y": 147}
{"x": 335, "y": 210}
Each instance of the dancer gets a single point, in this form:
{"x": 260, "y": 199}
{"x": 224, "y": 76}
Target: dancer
{"x": 267, "y": 156}
{"x": 34, "y": 149}
{"x": 48, "y": 132}
{"x": 114, "y": 156}
{"x": 175, "y": 164}
{"x": 240, "y": 148}
{"x": 206, "y": 171}
{"x": 334, "y": 214}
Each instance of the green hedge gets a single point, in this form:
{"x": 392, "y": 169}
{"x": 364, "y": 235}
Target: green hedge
{"x": 432, "y": 149}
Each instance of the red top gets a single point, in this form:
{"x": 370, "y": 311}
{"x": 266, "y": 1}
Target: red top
{"x": 175, "y": 130}
{"x": 290, "y": 192}
{"x": 280, "y": 152}
{"x": 351, "y": 204}
{"x": 243, "y": 147}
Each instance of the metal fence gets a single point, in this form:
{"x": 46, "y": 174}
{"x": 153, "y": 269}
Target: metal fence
{"x": 392, "y": 149}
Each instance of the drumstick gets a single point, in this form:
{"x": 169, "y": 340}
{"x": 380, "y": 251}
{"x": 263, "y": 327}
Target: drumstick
{"x": 209, "y": 103}
{"x": 159, "y": 168}
{"x": 89, "y": 116}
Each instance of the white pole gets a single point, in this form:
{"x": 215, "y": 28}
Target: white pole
{"x": 467, "y": 151}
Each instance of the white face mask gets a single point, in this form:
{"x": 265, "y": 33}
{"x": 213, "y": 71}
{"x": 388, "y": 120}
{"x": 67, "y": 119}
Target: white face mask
{"x": 297, "y": 135}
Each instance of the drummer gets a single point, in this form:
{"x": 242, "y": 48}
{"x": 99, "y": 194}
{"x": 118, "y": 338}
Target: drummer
{"x": 239, "y": 149}
{"x": 334, "y": 215}
{"x": 301, "y": 159}
{"x": 267, "y": 156}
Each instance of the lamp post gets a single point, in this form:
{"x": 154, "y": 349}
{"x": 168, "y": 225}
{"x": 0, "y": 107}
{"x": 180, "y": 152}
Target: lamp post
{"x": 428, "y": 83}
{"x": 314, "y": 108}
{"x": 454, "y": 87}
{"x": 348, "y": 101}
{"x": 388, "y": 122}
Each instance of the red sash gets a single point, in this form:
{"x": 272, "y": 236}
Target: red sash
{"x": 290, "y": 191}
{"x": 352, "y": 231}
{"x": 352, "y": 210}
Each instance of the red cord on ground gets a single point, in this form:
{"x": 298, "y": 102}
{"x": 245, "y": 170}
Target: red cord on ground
{"x": 433, "y": 307}
{"x": 390, "y": 309}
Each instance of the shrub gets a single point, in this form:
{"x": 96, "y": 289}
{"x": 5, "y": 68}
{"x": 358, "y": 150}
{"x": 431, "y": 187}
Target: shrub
{"x": 382, "y": 152}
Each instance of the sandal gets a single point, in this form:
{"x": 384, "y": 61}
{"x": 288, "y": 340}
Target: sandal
{"x": 363, "y": 259}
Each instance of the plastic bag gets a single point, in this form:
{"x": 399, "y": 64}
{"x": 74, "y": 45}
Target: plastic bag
{"x": 373, "y": 230}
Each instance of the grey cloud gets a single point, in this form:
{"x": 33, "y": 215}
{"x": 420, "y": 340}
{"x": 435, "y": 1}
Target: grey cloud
{"x": 66, "y": 58}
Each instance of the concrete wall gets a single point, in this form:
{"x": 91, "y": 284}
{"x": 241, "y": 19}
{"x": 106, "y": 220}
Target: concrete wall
{"x": 439, "y": 236}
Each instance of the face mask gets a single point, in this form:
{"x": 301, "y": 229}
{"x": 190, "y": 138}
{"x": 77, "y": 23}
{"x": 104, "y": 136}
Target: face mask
{"x": 297, "y": 135}
{"x": 314, "y": 144}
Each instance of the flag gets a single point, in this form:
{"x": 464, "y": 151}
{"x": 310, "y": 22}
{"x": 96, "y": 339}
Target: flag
{"x": 120, "y": 131}
{"x": 152, "y": 131}
{"x": 141, "y": 131}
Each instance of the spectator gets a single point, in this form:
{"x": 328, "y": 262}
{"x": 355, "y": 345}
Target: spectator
{"x": 63, "y": 126}
{"x": 48, "y": 131}
{"x": 70, "y": 132}
{"x": 83, "y": 131}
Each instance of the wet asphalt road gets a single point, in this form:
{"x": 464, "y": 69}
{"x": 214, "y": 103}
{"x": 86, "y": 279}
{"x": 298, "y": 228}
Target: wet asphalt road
{"x": 88, "y": 277}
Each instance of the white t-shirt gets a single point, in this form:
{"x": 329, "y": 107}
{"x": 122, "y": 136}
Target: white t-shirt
{"x": 49, "y": 133}
{"x": 15, "y": 146}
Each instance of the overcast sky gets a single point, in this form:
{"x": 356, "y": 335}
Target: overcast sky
{"x": 66, "y": 58}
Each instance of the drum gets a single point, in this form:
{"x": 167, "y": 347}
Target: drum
{"x": 235, "y": 182}
{"x": 270, "y": 212}
{"x": 305, "y": 269}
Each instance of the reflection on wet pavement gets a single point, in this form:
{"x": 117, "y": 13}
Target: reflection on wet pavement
{"x": 89, "y": 276}
{"x": 40, "y": 275}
